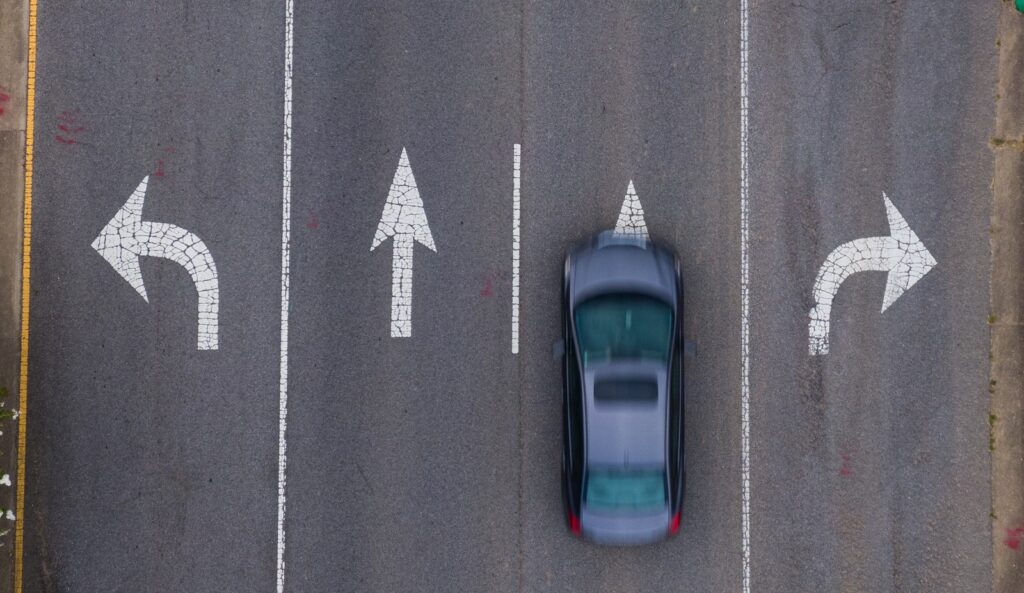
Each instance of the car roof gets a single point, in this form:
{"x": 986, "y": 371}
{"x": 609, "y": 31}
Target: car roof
{"x": 626, "y": 433}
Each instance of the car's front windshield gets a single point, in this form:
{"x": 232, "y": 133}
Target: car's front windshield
{"x": 623, "y": 326}
{"x": 622, "y": 489}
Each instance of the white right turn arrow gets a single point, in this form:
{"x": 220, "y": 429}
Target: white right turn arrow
{"x": 901, "y": 254}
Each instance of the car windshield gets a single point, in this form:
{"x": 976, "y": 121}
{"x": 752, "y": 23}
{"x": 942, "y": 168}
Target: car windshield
{"x": 620, "y": 326}
{"x": 625, "y": 490}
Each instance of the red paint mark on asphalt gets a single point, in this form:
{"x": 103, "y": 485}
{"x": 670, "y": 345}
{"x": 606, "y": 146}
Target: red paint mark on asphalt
{"x": 1014, "y": 537}
{"x": 844, "y": 469}
{"x": 4, "y": 97}
{"x": 69, "y": 127}
{"x": 160, "y": 170}
{"x": 314, "y": 221}
{"x": 488, "y": 290}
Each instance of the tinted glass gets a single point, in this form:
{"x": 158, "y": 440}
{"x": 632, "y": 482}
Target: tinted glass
{"x": 621, "y": 326}
{"x": 625, "y": 391}
{"x": 625, "y": 490}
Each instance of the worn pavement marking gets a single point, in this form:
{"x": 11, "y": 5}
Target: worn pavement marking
{"x": 631, "y": 215}
{"x": 127, "y": 237}
{"x": 744, "y": 292}
{"x": 516, "y": 154}
{"x": 286, "y": 230}
{"x": 26, "y": 269}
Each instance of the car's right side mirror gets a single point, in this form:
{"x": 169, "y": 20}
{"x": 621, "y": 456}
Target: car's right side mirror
{"x": 558, "y": 349}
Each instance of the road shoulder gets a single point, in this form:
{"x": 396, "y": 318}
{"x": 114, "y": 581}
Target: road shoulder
{"x": 1006, "y": 382}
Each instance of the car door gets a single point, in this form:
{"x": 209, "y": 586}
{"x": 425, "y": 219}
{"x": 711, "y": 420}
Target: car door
{"x": 675, "y": 419}
{"x": 574, "y": 457}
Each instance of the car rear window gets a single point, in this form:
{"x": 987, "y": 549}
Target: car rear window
{"x": 625, "y": 391}
{"x": 625, "y": 490}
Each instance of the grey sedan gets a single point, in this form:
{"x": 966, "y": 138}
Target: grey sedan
{"x": 622, "y": 460}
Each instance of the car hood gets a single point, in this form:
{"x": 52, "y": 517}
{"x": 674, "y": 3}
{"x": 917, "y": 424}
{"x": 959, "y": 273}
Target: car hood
{"x": 613, "y": 263}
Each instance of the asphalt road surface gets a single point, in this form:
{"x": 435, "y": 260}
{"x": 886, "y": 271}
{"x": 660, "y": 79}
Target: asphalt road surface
{"x": 430, "y": 462}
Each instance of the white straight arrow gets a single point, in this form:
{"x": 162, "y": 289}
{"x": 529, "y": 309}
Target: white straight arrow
{"x": 631, "y": 216}
{"x": 127, "y": 237}
{"x": 901, "y": 254}
{"x": 405, "y": 220}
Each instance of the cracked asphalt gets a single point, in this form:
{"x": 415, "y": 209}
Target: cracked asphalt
{"x": 430, "y": 462}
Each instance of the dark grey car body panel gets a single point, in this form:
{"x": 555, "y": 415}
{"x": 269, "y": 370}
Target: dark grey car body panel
{"x": 609, "y": 263}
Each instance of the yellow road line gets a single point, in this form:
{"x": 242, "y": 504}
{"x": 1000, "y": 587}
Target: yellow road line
{"x": 26, "y": 269}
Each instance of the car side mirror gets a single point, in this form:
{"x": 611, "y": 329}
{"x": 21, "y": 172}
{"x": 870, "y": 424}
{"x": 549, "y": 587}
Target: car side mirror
{"x": 690, "y": 348}
{"x": 558, "y": 349}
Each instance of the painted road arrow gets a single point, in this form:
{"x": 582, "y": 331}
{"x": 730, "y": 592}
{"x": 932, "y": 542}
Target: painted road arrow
{"x": 127, "y": 237}
{"x": 405, "y": 220}
{"x": 631, "y": 216}
{"x": 901, "y": 254}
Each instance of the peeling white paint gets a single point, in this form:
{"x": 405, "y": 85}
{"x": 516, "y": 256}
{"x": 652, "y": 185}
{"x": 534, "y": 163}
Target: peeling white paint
{"x": 744, "y": 295}
{"x": 6, "y": 480}
{"x": 286, "y": 242}
{"x": 127, "y": 237}
{"x": 631, "y": 216}
{"x": 404, "y": 219}
{"x": 10, "y": 515}
{"x": 901, "y": 254}
{"x": 516, "y": 155}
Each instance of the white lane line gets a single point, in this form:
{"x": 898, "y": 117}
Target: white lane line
{"x": 744, "y": 295}
{"x": 286, "y": 232}
{"x": 516, "y": 155}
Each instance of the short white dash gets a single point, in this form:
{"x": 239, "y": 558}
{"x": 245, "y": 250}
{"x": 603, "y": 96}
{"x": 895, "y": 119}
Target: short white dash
{"x": 516, "y": 156}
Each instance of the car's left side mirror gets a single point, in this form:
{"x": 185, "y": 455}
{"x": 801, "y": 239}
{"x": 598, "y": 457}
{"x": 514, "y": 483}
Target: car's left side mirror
{"x": 690, "y": 348}
{"x": 558, "y": 349}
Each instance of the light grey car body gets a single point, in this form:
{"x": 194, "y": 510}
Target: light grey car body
{"x": 624, "y": 435}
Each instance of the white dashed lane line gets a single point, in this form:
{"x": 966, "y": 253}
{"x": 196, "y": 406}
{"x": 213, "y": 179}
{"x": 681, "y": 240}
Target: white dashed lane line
{"x": 516, "y": 155}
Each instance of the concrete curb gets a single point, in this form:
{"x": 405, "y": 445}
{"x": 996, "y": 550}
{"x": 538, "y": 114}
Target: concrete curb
{"x": 1006, "y": 381}
{"x": 13, "y": 72}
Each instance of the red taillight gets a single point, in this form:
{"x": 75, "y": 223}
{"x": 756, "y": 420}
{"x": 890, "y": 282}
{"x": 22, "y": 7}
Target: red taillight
{"x": 574, "y": 524}
{"x": 673, "y": 527}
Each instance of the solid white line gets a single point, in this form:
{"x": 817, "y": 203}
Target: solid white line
{"x": 286, "y": 218}
{"x": 516, "y": 152}
{"x": 744, "y": 295}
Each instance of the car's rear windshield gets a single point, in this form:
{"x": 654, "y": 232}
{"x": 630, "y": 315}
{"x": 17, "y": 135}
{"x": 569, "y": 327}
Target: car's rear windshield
{"x": 623, "y": 326}
{"x": 625, "y": 490}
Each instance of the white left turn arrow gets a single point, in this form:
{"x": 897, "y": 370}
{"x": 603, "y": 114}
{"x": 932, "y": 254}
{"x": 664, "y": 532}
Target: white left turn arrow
{"x": 127, "y": 237}
{"x": 901, "y": 254}
{"x": 405, "y": 220}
